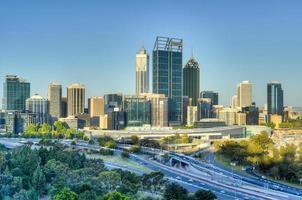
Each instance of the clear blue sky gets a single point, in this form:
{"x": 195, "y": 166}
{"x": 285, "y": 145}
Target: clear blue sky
{"x": 94, "y": 42}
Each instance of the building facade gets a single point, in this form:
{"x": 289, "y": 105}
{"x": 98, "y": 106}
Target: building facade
{"x": 55, "y": 100}
{"x": 210, "y": 95}
{"x": 274, "y": 98}
{"x": 113, "y": 101}
{"x": 159, "y": 109}
{"x": 75, "y": 99}
{"x": 142, "y": 72}
{"x": 138, "y": 110}
{"x": 96, "y": 106}
{"x": 191, "y": 78}
{"x": 15, "y": 92}
{"x": 39, "y": 105}
{"x": 244, "y": 94}
{"x": 191, "y": 115}
{"x": 167, "y": 74}
{"x": 205, "y": 108}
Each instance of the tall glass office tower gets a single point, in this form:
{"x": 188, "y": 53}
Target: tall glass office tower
{"x": 274, "y": 98}
{"x": 191, "y": 80}
{"x": 167, "y": 74}
{"x": 15, "y": 93}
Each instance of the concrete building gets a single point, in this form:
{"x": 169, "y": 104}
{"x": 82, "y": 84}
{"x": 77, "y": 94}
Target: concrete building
{"x": 103, "y": 122}
{"x": 64, "y": 107}
{"x": 241, "y": 119}
{"x": 96, "y": 106}
{"x": 55, "y": 100}
{"x": 159, "y": 109}
{"x": 191, "y": 79}
{"x": 15, "y": 92}
{"x": 75, "y": 99}
{"x": 210, "y": 95}
{"x": 192, "y": 115}
{"x": 167, "y": 75}
{"x": 142, "y": 71}
{"x": 252, "y": 114}
{"x": 209, "y": 123}
{"x": 228, "y": 115}
{"x": 71, "y": 121}
{"x": 234, "y": 103}
{"x": 113, "y": 101}
{"x": 244, "y": 94}
{"x": 116, "y": 120}
{"x": 205, "y": 108}
{"x": 186, "y": 101}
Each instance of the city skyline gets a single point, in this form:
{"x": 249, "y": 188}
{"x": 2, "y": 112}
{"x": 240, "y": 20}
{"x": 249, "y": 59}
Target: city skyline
{"x": 243, "y": 49}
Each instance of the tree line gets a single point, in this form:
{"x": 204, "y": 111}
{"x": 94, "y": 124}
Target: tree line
{"x": 283, "y": 162}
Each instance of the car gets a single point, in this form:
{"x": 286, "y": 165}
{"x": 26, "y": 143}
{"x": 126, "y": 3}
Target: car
{"x": 178, "y": 177}
{"x": 191, "y": 180}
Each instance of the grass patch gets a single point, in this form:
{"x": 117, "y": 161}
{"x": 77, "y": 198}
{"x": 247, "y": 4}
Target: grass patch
{"x": 120, "y": 161}
{"x": 220, "y": 159}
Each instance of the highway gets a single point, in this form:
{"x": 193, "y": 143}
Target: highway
{"x": 224, "y": 183}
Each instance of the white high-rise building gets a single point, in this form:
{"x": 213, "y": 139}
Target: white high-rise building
{"x": 142, "y": 71}
{"x": 244, "y": 94}
{"x": 37, "y": 104}
{"x": 55, "y": 99}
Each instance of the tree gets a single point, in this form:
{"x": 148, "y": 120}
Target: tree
{"x": 110, "y": 180}
{"x": 88, "y": 195}
{"x": 204, "y": 195}
{"x": 39, "y": 180}
{"x": 45, "y": 129}
{"x": 116, "y": 196}
{"x": 31, "y": 130}
{"x": 66, "y": 194}
{"x": 153, "y": 181}
{"x": 262, "y": 140}
{"x": 110, "y": 144}
{"x": 174, "y": 191}
{"x": 125, "y": 155}
{"x": 134, "y": 139}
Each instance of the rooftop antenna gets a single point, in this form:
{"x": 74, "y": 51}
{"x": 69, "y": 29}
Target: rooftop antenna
{"x": 192, "y": 53}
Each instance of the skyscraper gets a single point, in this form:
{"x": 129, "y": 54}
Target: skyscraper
{"x": 96, "y": 106}
{"x": 274, "y": 98}
{"x": 55, "y": 100}
{"x": 191, "y": 80}
{"x": 142, "y": 71}
{"x": 38, "y": 105}
{"x": 210, "y": 95}
{"x": 244, "y": 94}
{"x": 15, "y": 93}
{"x": 167, "y": 74}
{"x": 75, "y": 99}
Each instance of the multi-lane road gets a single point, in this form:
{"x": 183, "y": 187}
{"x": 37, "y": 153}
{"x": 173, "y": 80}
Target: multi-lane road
{"x": 226, "y": 184}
